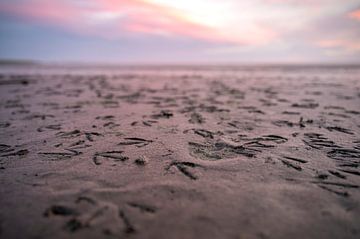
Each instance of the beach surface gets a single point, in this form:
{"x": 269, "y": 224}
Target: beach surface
{"x": 179, "y": 152}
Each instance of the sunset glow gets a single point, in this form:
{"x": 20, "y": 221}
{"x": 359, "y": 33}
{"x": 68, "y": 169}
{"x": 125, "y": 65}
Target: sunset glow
{"x": 355, "y": 14}
{"x": 292, "y": 27}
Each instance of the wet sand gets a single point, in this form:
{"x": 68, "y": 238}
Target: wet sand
{"x": 180, "y": 152}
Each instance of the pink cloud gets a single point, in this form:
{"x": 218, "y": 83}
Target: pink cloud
{"x": 142, "y": 16}
{"x": 58, "y": 13}
{"x": 147, "y": 17}
{"x": 355, "y": 14}
{"x": 41, "y": 10}
{"x": 346, "y": 45}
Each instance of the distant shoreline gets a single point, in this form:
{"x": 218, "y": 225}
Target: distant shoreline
{"x": 27, "y": 62}
{"x": 18, "y": 62}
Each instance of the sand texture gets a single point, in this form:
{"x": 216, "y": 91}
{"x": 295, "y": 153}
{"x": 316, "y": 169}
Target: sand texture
{"x": 180, "y": 152}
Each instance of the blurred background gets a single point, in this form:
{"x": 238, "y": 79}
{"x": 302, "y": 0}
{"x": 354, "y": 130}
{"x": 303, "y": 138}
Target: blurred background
{"x": 186, "y": 31}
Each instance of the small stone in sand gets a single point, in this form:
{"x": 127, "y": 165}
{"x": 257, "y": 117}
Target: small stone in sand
{"x": 141, "y": 161}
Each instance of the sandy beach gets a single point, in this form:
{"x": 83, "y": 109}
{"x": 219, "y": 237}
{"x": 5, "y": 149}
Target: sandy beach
{"x": 179, "y": 152}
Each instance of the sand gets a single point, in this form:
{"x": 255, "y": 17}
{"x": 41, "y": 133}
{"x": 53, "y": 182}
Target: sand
{"x": 180, "y": 152}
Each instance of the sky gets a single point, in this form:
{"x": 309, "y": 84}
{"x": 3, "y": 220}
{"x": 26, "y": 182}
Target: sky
{"x": 181, "y": 31}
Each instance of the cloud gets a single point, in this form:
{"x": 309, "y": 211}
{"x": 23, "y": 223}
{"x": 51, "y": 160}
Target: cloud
{"x": 355, "y": 15}
{"x": 228, "y": 27}
{"x": 347, "y": 45}
{"x": 119, "y": 17}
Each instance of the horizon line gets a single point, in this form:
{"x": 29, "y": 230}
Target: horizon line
{"x": 35, "y": 62}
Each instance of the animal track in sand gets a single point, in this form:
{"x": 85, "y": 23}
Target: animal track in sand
{"x": 9, "y": 151}
{"x": 219, "y": 150}
{"x": 293, "y": 162}
{"x": 56, "y": 156}
{"x": 318, "y": 141}
{"x": 184, "y": 167}
{"x": 259, "y": 129}
{"x": 138, "y": 142}
{"x": 114, "y": 155}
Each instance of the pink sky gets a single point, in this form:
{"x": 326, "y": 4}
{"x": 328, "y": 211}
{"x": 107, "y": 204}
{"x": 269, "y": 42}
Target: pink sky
{"x": 228, "y": 27}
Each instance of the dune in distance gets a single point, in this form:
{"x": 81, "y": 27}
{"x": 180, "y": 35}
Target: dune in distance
{"x": 179, "y": 151}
